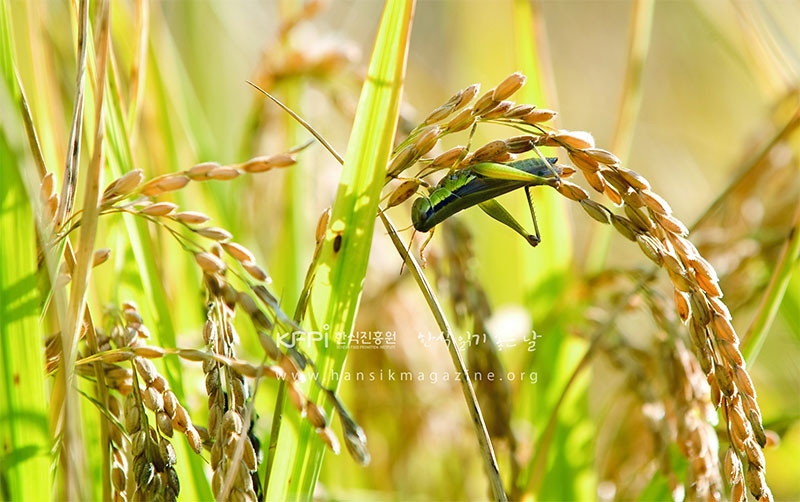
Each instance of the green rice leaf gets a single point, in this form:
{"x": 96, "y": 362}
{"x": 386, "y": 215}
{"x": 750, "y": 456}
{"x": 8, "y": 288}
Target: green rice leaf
{"x": 24, "y": 428}
{"x": 344, "y": 257}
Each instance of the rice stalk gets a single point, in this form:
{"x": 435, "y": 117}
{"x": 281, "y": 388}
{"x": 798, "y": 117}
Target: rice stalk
{"x": 70, "y": 180}
{"x": 479, "y": 425}
{"x": 72, "y": 461}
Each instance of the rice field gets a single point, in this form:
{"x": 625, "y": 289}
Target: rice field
{"x": 534, "y": 251}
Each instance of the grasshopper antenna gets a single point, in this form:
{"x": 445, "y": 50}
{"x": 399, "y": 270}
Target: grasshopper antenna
{"x": 546, "y": 163}
{"x": 302, "y": 122}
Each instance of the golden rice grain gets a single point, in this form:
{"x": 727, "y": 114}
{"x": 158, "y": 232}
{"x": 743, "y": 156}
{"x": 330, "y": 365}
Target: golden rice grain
{"x": 725, "y": 380}
{"x": 508, "y": 86}
{"x": 255, "y": 271}
{"x": 731, "y": 352}
{"x": 462, "y": 121}
{"x": 215, "y": 233}
{"x": 498, "y": 110}
{"x": 123, "y": 185}
{"x": 239, "y": 252}
{"x": 426, "y": 140}
{"x": 190, "y": 217}
{"x": 489, "y": 151}
{"x": 223, "y": 173}
{"x": 200, "y": 171}
{"x": 572, "y": 191}
{"x": 519, "y": 111}
{"x": 595, "y": 210}
{"x": 595, "y": 181}
{"x": 265, "y": 163}
{"x": 651, "y": 248}
{"x": 150, "y": 352}
{"x": 193, "y": 438}
{"x": 402, "y": 160}
{"x": 539, "y": 115}
{"x": 672, "y": 224}
{"x": 656, "y": 202}
{"x": 329, "y": 438}
{"x": 743, "y": 380}
{"x": 468, "y": 95}
{"x": 575, "y": 139}
{"x": 639, "y": 218}
{"x": 165, "y": 183}
{"x": 449, "y": 157}
{"x": 403, "y": 192}
{"x": 316, "y": 415}
{"x": 755, "y": 480}
{"x": 732, "y": 467}
{"x": 210, "y": 263}
{"x": 439, "y": 114}
{"x": 152, "y": 399}
{"x": 682, "y": 305}
{"x": 738, "y": 491}
{"x": 700, "y": 308}
{"x": 100, "y": 256}
{"x": 159, "y": 209}
{"x": 625, "y": 227}
{"x": 633, "y": 199}
{"x": 616, "y": 180}
{"x": 634, "y": 179}
{"x": 521, "y": 144}
{"x": 602, "y": 156}
{"x": 485, "y": 103}
{"x": 612, "y": 194}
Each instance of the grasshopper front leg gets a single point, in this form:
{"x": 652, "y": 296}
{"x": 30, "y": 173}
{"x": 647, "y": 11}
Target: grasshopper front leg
{"x": 422, "y": 261}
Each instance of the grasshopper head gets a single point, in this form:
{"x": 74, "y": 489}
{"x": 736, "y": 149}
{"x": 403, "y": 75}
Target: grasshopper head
{"x": 420, "y": 212}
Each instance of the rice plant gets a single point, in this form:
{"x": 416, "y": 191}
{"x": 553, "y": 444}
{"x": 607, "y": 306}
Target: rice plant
{"x": 222, "y": 263}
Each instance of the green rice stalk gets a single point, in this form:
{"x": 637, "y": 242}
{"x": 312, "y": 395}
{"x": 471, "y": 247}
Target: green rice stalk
{"x": 484, "y": 441}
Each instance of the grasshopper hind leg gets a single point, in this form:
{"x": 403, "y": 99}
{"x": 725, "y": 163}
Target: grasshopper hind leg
{"x": 499, "y": 213}
{"x": 537, "y": 238}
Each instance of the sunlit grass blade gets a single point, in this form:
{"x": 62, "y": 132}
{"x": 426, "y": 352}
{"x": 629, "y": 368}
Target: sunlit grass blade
{"x": 24, "y": 427}
{"x": 753, "y": 340}
{"x": 337, "y": 288}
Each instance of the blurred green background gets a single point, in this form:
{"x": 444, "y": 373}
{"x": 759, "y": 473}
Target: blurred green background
{"x": 713, "y": 83}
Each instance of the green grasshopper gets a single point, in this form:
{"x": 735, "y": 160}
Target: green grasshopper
{"x": 479, "y": 185}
